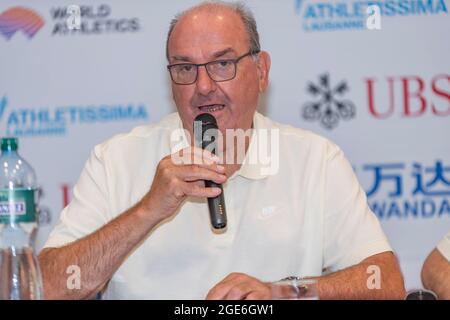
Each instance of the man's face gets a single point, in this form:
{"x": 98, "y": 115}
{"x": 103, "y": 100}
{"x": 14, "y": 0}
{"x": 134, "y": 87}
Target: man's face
{"x": 207, "y": 35}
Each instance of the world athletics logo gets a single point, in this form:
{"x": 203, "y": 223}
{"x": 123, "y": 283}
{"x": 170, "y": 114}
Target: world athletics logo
{"x": 20, "y": 19}
{"x": 320, "y": 16}
{"x": 21, "y": 122}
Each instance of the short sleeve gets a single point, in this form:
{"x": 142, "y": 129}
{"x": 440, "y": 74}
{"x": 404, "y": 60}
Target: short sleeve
{"x": 444, "y": 246}
{"x": 88, "y": 210}
{"x": 352, "y": 232}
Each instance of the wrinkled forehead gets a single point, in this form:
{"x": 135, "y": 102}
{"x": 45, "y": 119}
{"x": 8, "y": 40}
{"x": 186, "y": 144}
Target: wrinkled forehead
{"x": 200, "y": 34}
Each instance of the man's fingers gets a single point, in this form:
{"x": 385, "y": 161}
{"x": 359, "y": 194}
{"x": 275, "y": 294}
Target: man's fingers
{"x": 193, "y": 155}
{"x": 211, "y": 166}
{"x": 194, "y": 173}
{"x": 205, "y": 154}
{"x": 195, "y": 190}
{"x": 221, "y": 289}
{"x": 238, "y": 286}
{"x": 218, "y": 292}
{"x": 251, "y": 289}
{"x": 197, "y": 158}
{"x": 174, "y": 180}
{"x": 258, "y": 295}
{"x": 239, "y": 291}
{"x": 233, "y": 291}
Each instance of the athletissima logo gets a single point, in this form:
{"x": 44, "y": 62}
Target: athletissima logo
{"x": 44, "y": 121}
{"x": 319, "y": 16}
{"x": 329, "y": 105}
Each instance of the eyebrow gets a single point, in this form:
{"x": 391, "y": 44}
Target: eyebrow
{"x": 215, "y": 55}
{"x": 223, "y": 52}
{"x": 181, "y": 58}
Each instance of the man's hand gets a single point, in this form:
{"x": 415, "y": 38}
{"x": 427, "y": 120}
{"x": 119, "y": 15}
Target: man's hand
{"x": 239, "y": 286}
{"x": 181, "y": 175}
{"x": 350, "y": 283}
{"x": 436, "y": 274}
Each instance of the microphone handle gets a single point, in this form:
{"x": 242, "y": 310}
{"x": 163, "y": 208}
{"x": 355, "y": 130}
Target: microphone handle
{"x": 216, "y": 206}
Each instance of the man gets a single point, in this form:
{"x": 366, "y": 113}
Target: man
{"x": 436, "y": 269}
{"x": 138, "y": 226}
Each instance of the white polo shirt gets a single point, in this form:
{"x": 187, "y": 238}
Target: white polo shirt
{"x": 444, "y": 246}
{"x": 311, "y": 215}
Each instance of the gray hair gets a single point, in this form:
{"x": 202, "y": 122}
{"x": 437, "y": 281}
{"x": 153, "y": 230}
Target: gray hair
{"x": 238, "y": 7}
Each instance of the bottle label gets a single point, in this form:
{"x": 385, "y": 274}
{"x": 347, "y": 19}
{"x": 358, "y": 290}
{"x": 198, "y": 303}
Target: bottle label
{"x": 17, "y": 205}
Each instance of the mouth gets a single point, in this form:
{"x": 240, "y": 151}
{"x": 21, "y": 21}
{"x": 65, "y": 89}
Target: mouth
{"x": 211, "y": 108}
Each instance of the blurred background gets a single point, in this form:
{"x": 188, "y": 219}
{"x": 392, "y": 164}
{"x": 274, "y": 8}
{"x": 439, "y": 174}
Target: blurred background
{"x": 377, "y": 85}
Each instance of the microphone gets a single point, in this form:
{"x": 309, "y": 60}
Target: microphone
{"x": 209, "y": 131}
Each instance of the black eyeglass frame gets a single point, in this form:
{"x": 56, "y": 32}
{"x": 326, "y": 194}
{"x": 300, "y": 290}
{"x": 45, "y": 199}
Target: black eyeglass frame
{"x": 235, "y": 62}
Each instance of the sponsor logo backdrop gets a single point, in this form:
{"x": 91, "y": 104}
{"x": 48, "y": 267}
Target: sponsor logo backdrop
{"x": 382, "y": 95}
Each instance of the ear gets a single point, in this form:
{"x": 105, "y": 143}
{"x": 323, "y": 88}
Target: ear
{"x": 263, "y": 65}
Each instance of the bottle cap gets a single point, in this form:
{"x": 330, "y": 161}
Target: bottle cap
{"x": 9, "y": 144}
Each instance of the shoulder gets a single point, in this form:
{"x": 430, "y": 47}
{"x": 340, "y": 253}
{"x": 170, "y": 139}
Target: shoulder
{"x": 298, "y": 139}
{"x": 154, "y": 135}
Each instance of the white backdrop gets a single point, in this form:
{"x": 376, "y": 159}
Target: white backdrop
{"x": 62, "y": 92}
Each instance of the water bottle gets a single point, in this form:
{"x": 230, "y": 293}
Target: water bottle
{"x": 20, "y": 276}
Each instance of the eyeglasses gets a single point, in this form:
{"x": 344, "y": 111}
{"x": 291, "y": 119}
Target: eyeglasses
{"x": 219, "y": 70}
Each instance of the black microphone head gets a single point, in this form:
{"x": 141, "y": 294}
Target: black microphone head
{"x": 205, "y": 130}
{"x": 206, "y": 119}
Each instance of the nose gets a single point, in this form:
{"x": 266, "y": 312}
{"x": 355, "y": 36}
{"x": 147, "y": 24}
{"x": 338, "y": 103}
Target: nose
{"x": 205, "y": 85}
